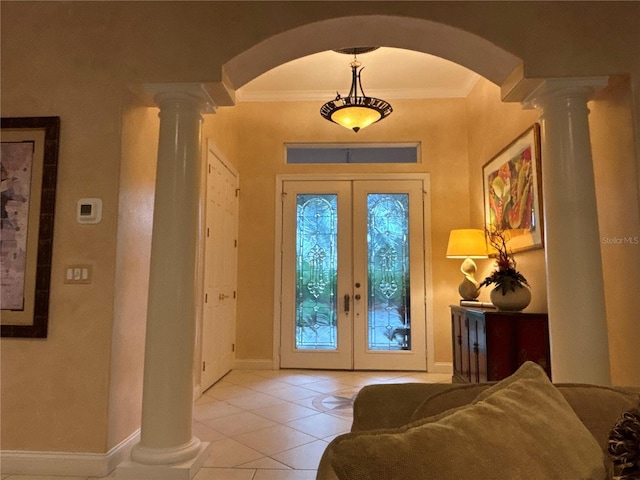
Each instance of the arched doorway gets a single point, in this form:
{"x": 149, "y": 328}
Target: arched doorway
{"x": 454, "y": 44}
{"x": 424, "y": 36}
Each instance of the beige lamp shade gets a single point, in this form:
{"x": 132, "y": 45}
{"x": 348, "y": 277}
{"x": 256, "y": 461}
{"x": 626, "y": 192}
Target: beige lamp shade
{"x": 467, "y": 243}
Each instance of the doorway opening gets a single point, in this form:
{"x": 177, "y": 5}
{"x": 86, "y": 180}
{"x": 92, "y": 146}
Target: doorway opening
{"x": 448, "y": 42}
{"x": 353, "y": 277}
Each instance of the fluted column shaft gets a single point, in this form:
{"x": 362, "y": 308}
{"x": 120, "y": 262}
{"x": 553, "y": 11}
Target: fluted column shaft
{"x": 575, "y": 291}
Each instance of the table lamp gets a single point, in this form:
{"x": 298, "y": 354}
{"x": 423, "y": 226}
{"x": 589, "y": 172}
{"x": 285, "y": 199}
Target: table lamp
{"x": 468, "y": 244}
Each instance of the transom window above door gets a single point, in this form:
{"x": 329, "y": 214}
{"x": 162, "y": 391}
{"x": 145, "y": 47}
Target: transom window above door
{"x": 308, "y": 154}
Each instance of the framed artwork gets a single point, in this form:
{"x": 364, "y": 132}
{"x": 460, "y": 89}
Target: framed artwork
{"x": 29, "y": 164}
{"x": 512, "y": 189}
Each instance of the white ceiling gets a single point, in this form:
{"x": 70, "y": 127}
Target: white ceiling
{"x": 388, "y": 73}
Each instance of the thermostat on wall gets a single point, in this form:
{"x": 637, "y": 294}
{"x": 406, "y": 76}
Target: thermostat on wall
{"x": 89, "y": 210}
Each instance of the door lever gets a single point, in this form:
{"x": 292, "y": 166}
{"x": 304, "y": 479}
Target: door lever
{"x": 346, "y": 303}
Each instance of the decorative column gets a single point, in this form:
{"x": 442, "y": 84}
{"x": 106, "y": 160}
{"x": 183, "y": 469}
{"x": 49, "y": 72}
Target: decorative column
{"x": 167, "y": 448}
{"x": 575, "y": 291}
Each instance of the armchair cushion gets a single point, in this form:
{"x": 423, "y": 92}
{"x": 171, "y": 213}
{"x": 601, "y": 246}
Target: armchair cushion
{"x": 520, "y": 428}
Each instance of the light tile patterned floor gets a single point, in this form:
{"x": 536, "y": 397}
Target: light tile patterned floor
{"x": 275, "y": 424}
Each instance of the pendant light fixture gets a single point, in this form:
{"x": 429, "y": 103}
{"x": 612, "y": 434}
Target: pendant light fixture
{"x": 355, "y": 111}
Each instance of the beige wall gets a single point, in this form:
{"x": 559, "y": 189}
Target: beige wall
{"x": 619, "y": 221}
{"x": 55, "y": 391}
{"x": 76, "y": 59}
{"x": 135, "y": 218}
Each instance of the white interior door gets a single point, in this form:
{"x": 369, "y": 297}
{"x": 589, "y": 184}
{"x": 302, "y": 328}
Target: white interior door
{"x": 353, "y": 290}
{"x": 220, "y": 272}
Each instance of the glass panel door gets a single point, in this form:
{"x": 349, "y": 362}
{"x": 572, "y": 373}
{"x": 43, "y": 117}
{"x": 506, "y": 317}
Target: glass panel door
{"x": 316, "y": 244}
{"x": 352, "y": 257}
{"x": 388, "y": 259}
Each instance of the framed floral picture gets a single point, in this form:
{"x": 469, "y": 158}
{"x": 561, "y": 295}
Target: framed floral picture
{"x": 512, "y": 189}
{"x": 29, "y": 161}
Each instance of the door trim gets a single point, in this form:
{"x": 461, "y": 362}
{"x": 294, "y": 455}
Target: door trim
{"x": 277, "y": 294}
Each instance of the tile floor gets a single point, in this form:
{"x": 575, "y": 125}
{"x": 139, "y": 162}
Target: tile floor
{"x": 275, "y": 424}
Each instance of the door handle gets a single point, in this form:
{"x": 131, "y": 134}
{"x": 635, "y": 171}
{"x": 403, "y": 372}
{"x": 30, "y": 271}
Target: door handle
{"x": 357, "y": 296}
{"x": 346, "y": 303}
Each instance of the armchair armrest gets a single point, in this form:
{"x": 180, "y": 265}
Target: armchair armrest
{"x": 390, "y": 405}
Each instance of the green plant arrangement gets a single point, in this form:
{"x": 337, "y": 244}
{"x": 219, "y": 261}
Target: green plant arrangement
{"x": 506, "y": 277}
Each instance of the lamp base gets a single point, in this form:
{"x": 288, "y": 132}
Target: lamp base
{"x": 468, "y": 290}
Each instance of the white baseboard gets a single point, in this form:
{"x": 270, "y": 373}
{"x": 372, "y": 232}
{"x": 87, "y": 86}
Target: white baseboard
{"x": 253, "y": 364}
{"x": 436, "y": 367}
{"x": 442, "y": 367}
{"x": 66, "y": 463}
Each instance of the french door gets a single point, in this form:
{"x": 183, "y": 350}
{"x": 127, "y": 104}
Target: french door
{"x": 353, "y": 283}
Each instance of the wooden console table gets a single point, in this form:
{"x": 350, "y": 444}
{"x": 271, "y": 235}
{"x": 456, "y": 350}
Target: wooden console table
{"x": 489, "y": 345}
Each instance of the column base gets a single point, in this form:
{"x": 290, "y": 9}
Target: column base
{"x": 129, "y": 470}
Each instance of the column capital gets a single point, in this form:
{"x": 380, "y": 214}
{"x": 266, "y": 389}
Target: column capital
{"x": 563, "y": 88}
{"x": 194, "y": 92}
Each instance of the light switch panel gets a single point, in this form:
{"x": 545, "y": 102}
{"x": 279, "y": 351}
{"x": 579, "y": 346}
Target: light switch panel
{"x": 78, "y": 274}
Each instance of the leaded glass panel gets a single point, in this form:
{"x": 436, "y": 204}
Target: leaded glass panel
{"x": 316, "y": 272}
{"x": 389, "y": 324}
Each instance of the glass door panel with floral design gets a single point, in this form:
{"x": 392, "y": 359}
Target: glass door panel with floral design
{"x": 352, "y": 256}
{"x": 316, "y": 325}
{"x": 316, "y": 271}
{"x": 388, "y": 258}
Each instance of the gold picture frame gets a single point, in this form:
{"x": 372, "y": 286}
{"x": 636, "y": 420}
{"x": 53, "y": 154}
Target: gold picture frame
{"x": 512, "y": 188}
